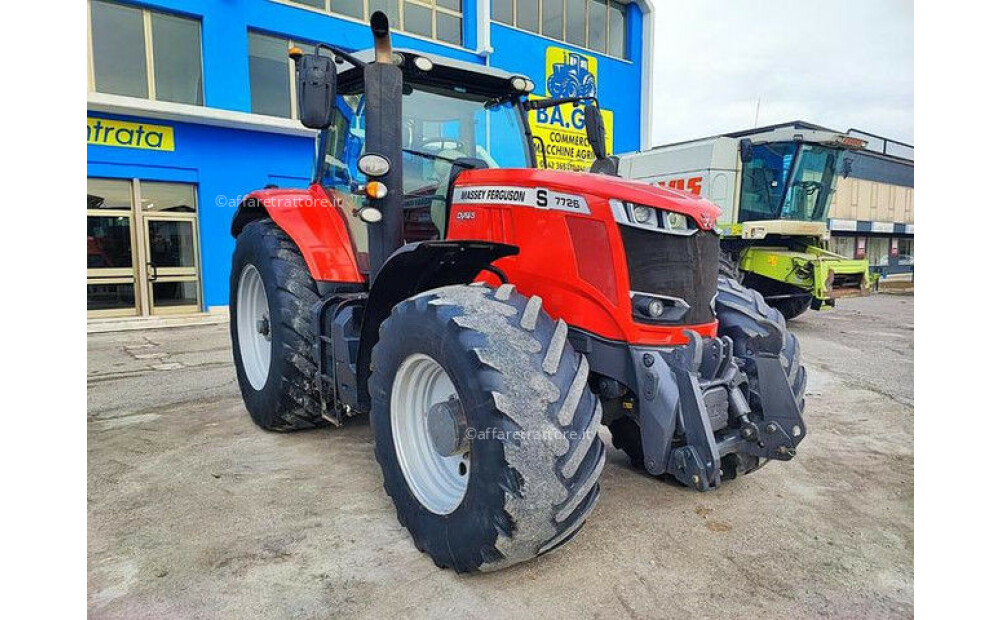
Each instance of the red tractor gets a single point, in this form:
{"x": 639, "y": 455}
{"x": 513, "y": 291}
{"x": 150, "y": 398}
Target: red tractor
{"x": 489, "y": 316}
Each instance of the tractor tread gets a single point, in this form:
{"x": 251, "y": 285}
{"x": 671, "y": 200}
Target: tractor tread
{"x": 537, "y": 385}
{"x": 296, "y": 407}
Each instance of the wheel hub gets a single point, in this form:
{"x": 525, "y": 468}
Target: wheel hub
{"x": 264, "y": 327}
{"x": 446, "y": 427}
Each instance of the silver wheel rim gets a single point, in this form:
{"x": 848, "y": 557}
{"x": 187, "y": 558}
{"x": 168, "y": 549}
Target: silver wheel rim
{"x": 438, "y": 482}
{"x": 253, "y": 327}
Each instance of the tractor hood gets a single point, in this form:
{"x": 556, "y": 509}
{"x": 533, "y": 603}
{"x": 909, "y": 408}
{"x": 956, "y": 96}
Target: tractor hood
{"x": 597, "y": 186}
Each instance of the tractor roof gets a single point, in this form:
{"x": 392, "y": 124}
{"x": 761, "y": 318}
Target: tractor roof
{"x": 447, "y": 73}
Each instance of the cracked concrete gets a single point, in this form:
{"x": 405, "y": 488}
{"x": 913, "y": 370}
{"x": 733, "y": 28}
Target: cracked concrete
{"x": 194, "y": 512}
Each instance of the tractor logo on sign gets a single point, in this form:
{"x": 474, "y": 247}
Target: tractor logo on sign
{"x": 570, "y": 74}
{"x": 562, "y": 128}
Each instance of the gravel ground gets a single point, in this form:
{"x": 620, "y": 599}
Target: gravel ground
{"x": 194, "y": 512}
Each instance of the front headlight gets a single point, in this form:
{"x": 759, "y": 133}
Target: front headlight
{"x": 678, "y": 223}
{"x": 373, "y": 165}
{"x": 642, "y": 215}
{"x": 648, "y": 218}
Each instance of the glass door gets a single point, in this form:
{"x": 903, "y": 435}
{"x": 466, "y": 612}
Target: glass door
{"x": 142, "y": 248}
{"x": 170, "y": 231}
{"x": 111, "y": 249}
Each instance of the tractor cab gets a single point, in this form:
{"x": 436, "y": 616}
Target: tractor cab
{"x": 455, "y": 116}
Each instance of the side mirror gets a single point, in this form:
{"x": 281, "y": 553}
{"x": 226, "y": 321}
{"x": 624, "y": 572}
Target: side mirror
{"x": 746, "y": 150}
{"x": 317, "y": 86}
{"x": 595, "y": 131}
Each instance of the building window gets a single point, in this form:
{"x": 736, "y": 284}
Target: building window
{"x": 844, "y": 246}
{"x": 434, "y": 19}
{"x": 142, "y": 53}
{"x": 597, "y": 25}
{"x": 878, "y": 251}
{"x": 905, "y": 249}
{"x": 272, "y": 74}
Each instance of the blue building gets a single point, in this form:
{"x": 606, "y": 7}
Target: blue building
{"x": 191, "y": 104}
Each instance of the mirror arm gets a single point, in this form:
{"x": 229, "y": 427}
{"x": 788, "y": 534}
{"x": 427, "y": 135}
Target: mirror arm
{"x": 541, "y": 143}
{"x": 341, "y": 54}
{"x": 541, "y": 104}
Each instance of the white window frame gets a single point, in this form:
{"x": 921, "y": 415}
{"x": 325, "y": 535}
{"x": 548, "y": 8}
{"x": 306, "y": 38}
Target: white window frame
{"x": 586, "y": 27}
{"x": 431, "y": 4}
{"x": 147, "y": 33}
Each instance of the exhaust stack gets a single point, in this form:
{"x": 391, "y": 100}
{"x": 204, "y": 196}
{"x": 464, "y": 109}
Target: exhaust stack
{"x": 383, "y": 136}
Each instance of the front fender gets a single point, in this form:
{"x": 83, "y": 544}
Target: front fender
{"x": 412, "y": 269}
{"x": 314, "y": 223}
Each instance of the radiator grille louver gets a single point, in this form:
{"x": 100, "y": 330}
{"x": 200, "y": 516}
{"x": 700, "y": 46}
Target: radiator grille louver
{"x": 674, "y": 266}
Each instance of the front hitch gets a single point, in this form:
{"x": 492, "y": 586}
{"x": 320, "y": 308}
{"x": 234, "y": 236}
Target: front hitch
{"x": 693, "y": 408}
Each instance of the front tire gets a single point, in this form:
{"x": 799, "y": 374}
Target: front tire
{"x": 271, "y": 294}
{"x": 743, "y": 315}
{"x": 521, "y": 431}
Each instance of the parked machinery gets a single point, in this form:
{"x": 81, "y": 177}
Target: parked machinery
{"x": 774, "y": 187}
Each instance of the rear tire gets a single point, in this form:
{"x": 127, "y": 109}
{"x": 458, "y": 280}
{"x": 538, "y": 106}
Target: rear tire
{"x": 528, "y": 420}
{"x": 274, "y": 370}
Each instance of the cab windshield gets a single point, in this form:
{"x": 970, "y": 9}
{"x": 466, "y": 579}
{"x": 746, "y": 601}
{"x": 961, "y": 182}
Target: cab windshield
{"x": 789, "y": 181}
{"x": 439, "y": 127}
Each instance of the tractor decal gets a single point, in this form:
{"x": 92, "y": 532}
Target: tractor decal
{"x": 535, "y": 197}
{"x": 572, "y": 77}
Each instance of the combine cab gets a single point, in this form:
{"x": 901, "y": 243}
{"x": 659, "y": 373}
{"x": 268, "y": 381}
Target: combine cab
{"x": 774, "y": 186}
{"x": 488, "y": 316}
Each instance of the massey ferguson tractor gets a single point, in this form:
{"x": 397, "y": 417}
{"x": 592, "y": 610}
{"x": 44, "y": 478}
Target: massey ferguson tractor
{"x": 774, "y": 185}
{"x": 489, "y": 316}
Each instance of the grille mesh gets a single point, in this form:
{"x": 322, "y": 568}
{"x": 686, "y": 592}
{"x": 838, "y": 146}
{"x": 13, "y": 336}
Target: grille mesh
{"x": 674, "y": 266}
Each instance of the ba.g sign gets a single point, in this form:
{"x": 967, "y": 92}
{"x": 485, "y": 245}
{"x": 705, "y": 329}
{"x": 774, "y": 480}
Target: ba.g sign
{"x": 562, "y": 129}
{"x": 107, "y": 132}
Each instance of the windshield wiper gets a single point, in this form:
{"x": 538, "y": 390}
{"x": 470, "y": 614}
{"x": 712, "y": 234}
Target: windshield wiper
{"x": 437, "y": 157}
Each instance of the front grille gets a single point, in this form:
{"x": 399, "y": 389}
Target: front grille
{"x": 674, "y": 266}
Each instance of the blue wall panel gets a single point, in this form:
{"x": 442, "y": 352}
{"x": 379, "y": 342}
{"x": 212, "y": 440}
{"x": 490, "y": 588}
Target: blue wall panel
{"x": 225, "y": 163}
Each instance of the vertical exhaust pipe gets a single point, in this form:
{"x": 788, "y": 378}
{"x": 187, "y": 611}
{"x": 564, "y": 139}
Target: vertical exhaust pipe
{"x": 384, "y": 136}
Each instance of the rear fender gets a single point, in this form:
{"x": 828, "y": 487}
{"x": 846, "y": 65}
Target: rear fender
{"x": 313, "y": 222}
{"x": 412, "y": 269}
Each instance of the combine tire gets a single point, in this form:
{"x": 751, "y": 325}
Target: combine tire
{"x": 270, "y": 297}
{"x": 728, "y": 267}
{"x": 792, "y": 307}
{"x": 485, "y": 429}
